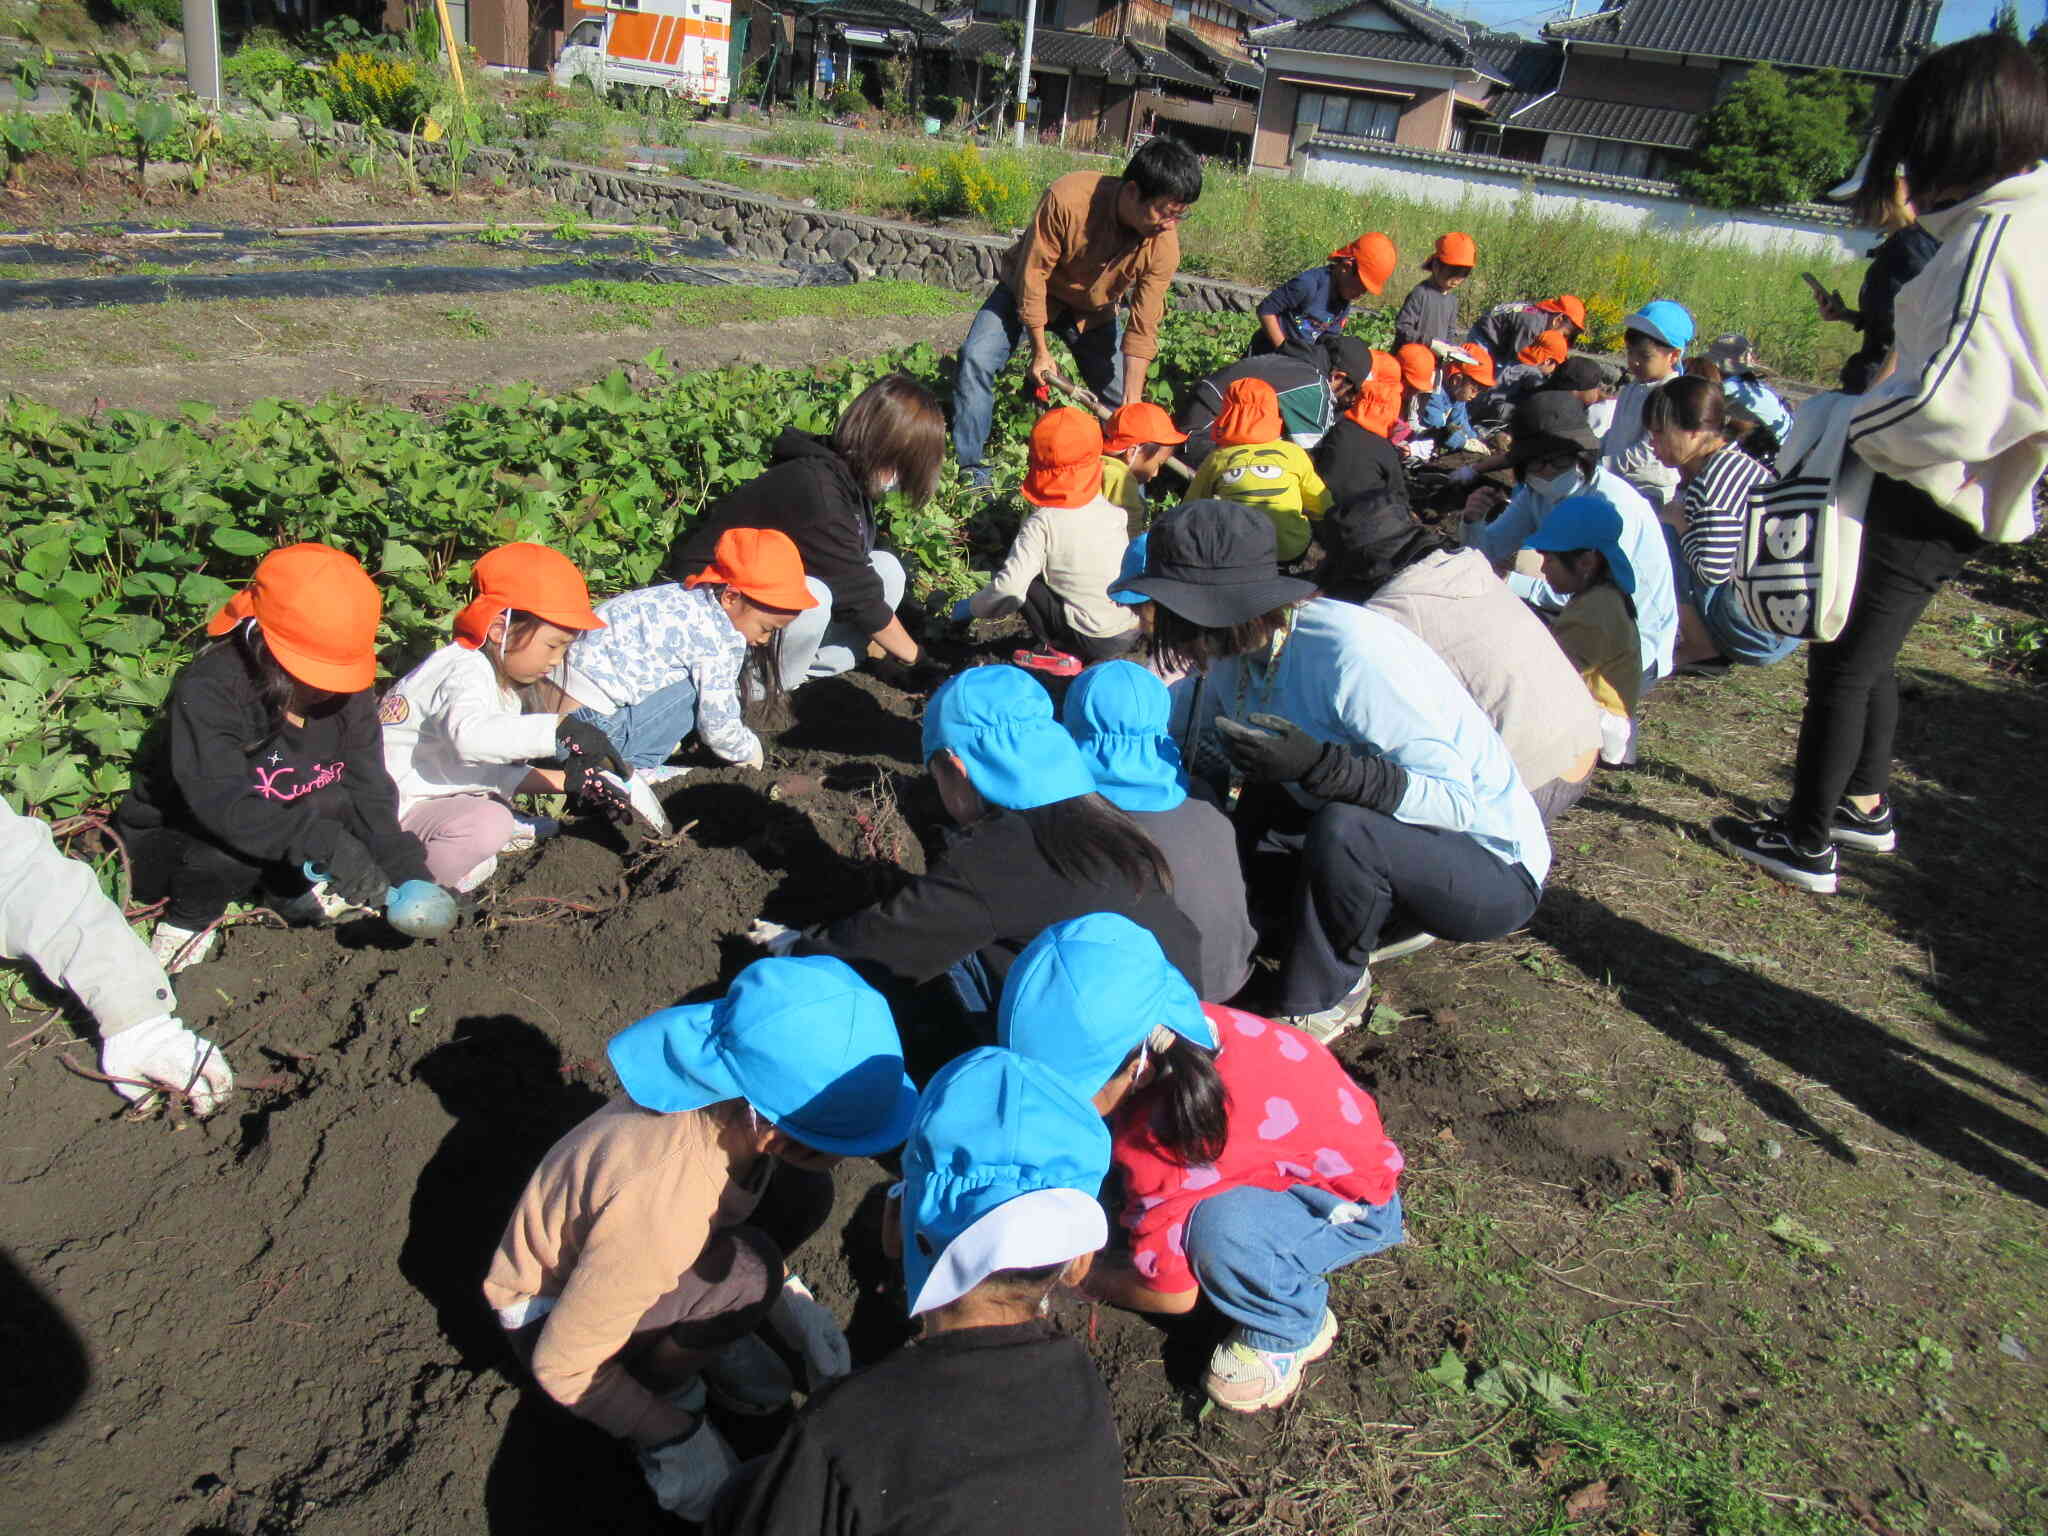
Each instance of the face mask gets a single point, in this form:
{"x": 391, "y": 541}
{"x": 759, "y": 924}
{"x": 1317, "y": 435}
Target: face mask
{"x": 1557, "y": 487}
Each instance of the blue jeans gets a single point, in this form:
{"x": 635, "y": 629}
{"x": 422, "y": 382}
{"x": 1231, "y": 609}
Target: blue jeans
{"x": 1260, "y": 1256}
{"x": 814, "y": 645}
{"x": 986, "y": 352}
{"x": 647, "y": 734}
{"x": 1733, "y": 632}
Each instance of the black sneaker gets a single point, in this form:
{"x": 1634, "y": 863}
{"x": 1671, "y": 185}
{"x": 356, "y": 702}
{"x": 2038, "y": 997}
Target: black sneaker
{"x": 1768, "y": 845}
{"x": 1873, "y": 833}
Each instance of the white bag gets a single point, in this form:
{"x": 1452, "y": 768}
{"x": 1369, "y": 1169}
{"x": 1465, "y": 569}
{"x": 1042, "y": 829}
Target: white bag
{"x": 1804, "y": 540}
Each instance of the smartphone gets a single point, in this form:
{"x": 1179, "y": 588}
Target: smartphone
{"x": 1820, "y": 289}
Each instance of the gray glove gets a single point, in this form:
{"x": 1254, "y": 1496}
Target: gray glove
{"x": 809, "y": 1329}
{"x": 687, "y": 1474}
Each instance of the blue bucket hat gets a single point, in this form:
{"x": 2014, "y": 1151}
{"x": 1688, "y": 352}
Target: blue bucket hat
{"x": 1587, "y": 522}
{"x": 1087, "y": 992}
{"x": 1119, "y": 714}
{"x": 803, "y": 1039}
{"x": 1003, "y": 1170}
{"x": 1134, "y": 565}
{"x": 1665, "y": 320}
{"x": 998, "y": 721}
{"x": 1759, "y": 401}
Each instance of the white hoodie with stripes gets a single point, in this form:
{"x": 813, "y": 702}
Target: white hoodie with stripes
{"x": 1964, "y": 415}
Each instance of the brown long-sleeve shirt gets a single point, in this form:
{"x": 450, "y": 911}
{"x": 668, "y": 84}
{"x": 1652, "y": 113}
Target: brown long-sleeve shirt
{"x": 1080, "y": 257}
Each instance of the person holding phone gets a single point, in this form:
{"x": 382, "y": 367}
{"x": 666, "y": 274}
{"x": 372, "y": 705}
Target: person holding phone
{"x": 1897, "y": 261}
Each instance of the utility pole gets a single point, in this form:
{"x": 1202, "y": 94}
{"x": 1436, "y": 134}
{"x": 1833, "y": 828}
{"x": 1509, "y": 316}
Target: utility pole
{"x": 1023, "y": 67}
{"x": 202, "y": 50}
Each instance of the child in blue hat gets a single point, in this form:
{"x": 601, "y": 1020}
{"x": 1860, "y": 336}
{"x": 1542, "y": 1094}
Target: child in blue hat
{"x": 991, "y": 1422}
{"x": 649, "y": 1246}
{"x": 1657, "y": 336}
{"x": 1037, "y": 844}
{"x": 1584, "y": 561}
{"x": 1120, "y": 715}
{"x": 1251, "y": 1164}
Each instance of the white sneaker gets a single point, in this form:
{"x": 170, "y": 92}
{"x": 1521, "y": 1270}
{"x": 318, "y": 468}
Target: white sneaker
{"x": 527, "y": 831}
{"x": 174, "y": 949}
{"x": 667, "y": 773}
{"x": 1328, "y": 1023}
{"x": 1402, "y": 947}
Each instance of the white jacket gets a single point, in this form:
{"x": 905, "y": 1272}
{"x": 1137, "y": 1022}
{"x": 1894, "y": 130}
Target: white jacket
{"x": 52, "y": 912}
{"x": 451, "y": 728}
{"x": 1964, "y": 415}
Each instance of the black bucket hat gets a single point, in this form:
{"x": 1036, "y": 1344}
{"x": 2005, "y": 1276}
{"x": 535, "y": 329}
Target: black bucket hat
{"x": 1577, "y": 372}
{"x": 1214, "y": 563}
{"x": 1546, "y": 422}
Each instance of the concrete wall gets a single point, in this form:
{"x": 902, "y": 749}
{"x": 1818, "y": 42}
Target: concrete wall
{"x": 1650, "y": 207}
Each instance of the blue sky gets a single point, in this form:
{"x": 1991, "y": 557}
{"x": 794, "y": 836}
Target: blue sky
{"x": 1959, "y": 18}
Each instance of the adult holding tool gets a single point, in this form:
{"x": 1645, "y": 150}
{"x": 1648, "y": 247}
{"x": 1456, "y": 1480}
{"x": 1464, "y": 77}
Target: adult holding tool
{"x": 1094, "y": 242}
{"x": 52, "y": 912}
{"x": 269, "y": 757}
{"x": 652, "y": 1243}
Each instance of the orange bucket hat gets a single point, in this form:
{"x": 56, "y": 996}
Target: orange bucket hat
{"x": 1132, "y": 426}
{"x": 1066, "y": 459}
{"x": 1480, "y": 370}
{"x": 1456, "y": 250}
{"x": 1566, "y": 305}
{"x": 1250, "y": 414}
{"x": 318, "y": 610}
{"x": 1418, "y": 365}
{"x": 1373, "y": 257}
{"x": 530, "y": 578}
{"x": 1378, "y": 405}
{"x": 1550, "y": 347}
{"x": 760, "y": 563}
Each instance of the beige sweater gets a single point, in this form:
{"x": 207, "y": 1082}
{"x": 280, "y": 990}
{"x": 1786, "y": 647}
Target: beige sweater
{"x": 612, "y": 1219}
{"x": 1079, "y": 551}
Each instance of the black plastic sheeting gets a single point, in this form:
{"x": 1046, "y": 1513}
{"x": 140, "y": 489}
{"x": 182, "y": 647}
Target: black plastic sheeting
{"x": 249, "y": 246}
{"x": 377, "y": 282}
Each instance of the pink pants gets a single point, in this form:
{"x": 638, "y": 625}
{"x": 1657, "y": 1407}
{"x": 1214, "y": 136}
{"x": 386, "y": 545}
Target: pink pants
{"x": 462, "y": 835}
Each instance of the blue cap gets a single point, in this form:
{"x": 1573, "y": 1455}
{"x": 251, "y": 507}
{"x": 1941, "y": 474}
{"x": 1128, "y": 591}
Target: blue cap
{"x": 998, "y": 721}
{"x": 1119, "y": 715}
{"x": 803, "y": 1039}
{"x": 1087, "y": 992}
{"x": 1134, "y": 565}
{"x": 1665, "y": 320}
{"x": 1003, "y": 1170}
{"x": 1587, "y": 521}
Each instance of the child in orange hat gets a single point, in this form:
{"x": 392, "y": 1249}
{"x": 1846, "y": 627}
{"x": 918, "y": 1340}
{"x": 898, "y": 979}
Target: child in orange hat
{"x": 1418, "y": 382}
{"x": 1506, "y": 329}
{"x": 674, "y": 658}
{"x": 1256, "y": 466}
{"x": 1429, "y": 316}
{"x": 1445, "y": 417}
{"x": 1063, "y": 560}
{"x": 268, "y": 758}
{"x": 1137, "y": 440}
{"x": 1355, "y": 457}
{"x": 464, "y": 729}
{"x": 1316, "y": 303}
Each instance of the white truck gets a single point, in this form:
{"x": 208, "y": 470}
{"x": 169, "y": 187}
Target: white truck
{"x": 677, "y": 47}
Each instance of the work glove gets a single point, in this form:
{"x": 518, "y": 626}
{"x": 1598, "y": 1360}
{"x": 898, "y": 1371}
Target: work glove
{"x": 579, "y": 739}
{"x": 963, "y": 611}
{"x": 1270, "y": 750}
{"x": 587, "y": 756}
{"x": 351, "y": 871}
{"x": 687, "y": 1475}
{"x": 1464, "y": 474}
{"x": 162, "y": 1050}
{"x": 919, "y": 676}
{"x": 809, "y": 1329}
{"x": 773, "y": 937}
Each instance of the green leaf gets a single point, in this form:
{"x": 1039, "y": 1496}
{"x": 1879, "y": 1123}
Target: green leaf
{"x": 51, "y": 627}
{"x": 236, "y": 541}
{"x": 400, "y": 556}
{"x": 1799, "y": 1237}
{"x": 1449, "y": 1372}
{"x": 1383, "y": 1020}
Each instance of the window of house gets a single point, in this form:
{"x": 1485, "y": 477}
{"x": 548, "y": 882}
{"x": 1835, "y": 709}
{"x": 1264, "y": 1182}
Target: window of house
{"x": 1365, "y": 117}
{"x": 1601, "y": 155}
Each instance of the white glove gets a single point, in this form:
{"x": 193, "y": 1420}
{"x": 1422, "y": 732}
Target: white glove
{"x": 161, "y": 1050}
{"x": 1419, "y": 449}
{"x": 808, "y": 1329}
{"x": 1464, "y": 474}
{"x": 773, "y": 937}
{"x": 758, "y": 758}
{"x": 687, "y": 1475}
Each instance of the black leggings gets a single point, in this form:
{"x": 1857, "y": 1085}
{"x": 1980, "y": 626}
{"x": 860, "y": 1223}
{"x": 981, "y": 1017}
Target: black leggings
{"x": 202, "y": 877}
{"x": 1910, "y": 547}
{"x": 1047, "y": 617}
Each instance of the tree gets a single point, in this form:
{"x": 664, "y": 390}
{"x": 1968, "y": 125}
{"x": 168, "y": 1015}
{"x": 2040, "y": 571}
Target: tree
{"x": 1777, "y": 138}
{"x": 2007, "y": 19}
{"x": 2037, "y": 45}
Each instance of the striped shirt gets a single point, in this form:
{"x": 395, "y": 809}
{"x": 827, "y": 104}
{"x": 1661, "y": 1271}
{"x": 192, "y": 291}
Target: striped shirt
{"x": 1717, "y": 514}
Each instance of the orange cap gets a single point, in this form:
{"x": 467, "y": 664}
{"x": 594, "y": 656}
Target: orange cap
{"x": 1132, "y": 426}
{"x": 1418, "y": 365}
{"x": 1066, "y": 460}
{"x": 532, "y": 579}
{"x": 761, "y": 563}
{"x": 1456, "y": 250}
{"x": 1250, "y": 414}
{"x": 1378, "y": 405}
{"x": 1373, "y": 258}
{"x": 1550, "y": 347}
{"x": 1564, "y": 304}
{"x": 318, "y": 610}
{"x": 1480, "y": 370}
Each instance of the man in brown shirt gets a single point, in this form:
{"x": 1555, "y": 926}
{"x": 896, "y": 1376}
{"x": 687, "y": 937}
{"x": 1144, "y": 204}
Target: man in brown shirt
{"x": 1094, "y": 241}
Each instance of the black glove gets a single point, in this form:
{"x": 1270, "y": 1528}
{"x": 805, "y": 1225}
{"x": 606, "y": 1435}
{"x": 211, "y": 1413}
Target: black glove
{"x": 352, "y": 871}
{"x": 583, "y": 742}
{"x": 1270, "y": 750}
{"x": 920, "y": 676}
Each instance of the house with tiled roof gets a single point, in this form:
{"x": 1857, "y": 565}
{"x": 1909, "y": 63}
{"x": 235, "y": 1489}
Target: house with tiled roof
{"x": 1638, "y": 75}
{"x": 1386, "y": 71}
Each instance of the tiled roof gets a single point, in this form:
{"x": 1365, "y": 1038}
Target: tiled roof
{"x": 1164, "y": 65}
{"x": 1236, "y": 70}
{"x": 1431, "y": 36}
{"x": 1085, "y": 53}
{"x": 1663, "y": 127}
{"x": 1872, "y": 37}
{"x": 885, "y": 14}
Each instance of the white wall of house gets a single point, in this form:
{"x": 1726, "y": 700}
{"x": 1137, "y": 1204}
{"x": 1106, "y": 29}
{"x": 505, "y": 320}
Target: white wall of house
{"x": 1450, "y": 180}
